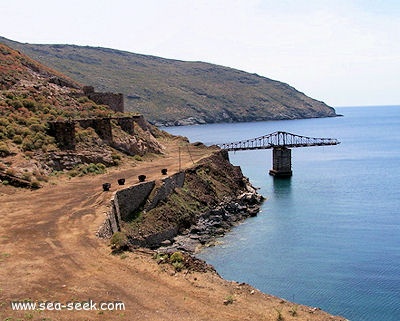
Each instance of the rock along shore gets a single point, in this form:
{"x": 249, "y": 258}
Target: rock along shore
{"x": 215, "y": 222}
{"x": 186, "y": 210}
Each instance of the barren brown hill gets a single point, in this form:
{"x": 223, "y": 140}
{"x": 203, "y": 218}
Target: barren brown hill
{"x": 173, "y": 92}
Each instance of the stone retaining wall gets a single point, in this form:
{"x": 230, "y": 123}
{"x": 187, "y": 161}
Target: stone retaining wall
{"x": 165, "y": 189}
{"x": 131, "y": 199}
{"x": 146, "y": 195}
{"x": 174, "y": 231}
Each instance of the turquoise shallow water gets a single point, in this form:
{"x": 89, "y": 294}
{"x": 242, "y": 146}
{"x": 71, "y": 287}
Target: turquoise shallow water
{"x": 329, "y": 236}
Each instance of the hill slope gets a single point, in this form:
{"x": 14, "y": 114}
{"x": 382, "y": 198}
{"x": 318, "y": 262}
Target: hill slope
{"x": 169, "y": 92}
{"x": 33, "y": 98}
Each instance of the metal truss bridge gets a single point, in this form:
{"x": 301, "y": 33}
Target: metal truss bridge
{"x": 278, "y": 139}
{"x": 280, "y": 142}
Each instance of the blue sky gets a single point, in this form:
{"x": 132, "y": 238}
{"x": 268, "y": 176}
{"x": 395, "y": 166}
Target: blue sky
{"x": 345, "y": 53}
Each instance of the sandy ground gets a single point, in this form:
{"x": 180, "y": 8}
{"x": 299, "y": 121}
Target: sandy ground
{"x": 49, "y": 252}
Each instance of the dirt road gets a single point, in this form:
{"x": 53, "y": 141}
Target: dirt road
{"x": 49, "y": 252}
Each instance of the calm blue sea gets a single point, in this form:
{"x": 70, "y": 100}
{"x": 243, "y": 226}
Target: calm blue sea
{"x": 330, "y": 236}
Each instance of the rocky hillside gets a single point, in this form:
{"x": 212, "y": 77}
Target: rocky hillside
{"x": 172, "y": 92}
{"x": 32, "y": 98}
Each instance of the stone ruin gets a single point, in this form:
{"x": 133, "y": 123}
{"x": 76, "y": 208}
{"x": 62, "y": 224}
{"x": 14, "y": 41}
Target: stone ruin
{"x": 64, "y": 131}
{"x": 115, "y": 101}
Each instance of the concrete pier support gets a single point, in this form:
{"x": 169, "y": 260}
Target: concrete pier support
{"x": 281, "y": 162}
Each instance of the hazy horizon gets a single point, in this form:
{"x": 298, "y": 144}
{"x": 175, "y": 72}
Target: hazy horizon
{"x": 344, "y": 53}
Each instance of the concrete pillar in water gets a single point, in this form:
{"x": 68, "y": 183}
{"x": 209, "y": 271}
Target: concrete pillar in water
{"x": 281, "y": 162}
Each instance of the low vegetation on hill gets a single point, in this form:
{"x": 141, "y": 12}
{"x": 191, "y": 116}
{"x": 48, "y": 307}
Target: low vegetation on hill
{"x": 43, "y": 232}
{"x": 31, "y": 96}
{"x": 172, "y": 92}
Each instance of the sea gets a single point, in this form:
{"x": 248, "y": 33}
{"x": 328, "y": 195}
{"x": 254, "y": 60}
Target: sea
{"x": 328, "y": 237}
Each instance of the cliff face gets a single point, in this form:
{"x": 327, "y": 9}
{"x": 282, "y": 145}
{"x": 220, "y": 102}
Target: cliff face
{"x": 185, "y": 210}
{"x": 171, "y": 92}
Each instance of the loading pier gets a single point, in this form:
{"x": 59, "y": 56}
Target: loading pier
{"x": 281, "y": 143}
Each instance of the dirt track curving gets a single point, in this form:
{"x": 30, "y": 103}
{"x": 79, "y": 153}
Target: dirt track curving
{"x": 49, "y": 252}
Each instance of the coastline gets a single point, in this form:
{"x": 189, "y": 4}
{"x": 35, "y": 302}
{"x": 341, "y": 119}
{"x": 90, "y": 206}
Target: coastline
{"x": 213, "y": 224}
{"x": 185, "y": 210}
{"x": 190, "y": 121}
{"x": 209, "y": 227}
{"x": 57, "y": 257}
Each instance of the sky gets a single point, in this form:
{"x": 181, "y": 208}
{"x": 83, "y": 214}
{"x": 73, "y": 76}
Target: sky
{"x": 342, "y": 52}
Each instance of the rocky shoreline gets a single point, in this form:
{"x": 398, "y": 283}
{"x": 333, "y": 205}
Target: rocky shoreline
{"x": 239, "y": 119}
{"x": 214, "y": 223}
{"x": 184, "y": 211}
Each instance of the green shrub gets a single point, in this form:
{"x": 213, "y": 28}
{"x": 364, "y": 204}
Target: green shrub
{"x": 29, "y": 104}
{"x": 3, "y": 133}
{"x": 16, "y": 104}
{"x": 178, "y": 266}
{"x": 10, "y": 131}
{"x": 17, "y": 139}
{"x": 84, "y": 135}
{"x": 176, "y": 257}
{"x": 35, "y": 184}
{"x": 119, "y": 242}
{"x": 27, "y": 176}
{"x": 74, "y": 173}
{"x": 280, "y": 316}
{"x": 293, "y": 311}
{"x": 82, "y": 100}
{"x": 229, "y": 300}
{"x": 161, "y": 257}
{"x": 10, "y": 95}
{"x": 4, "y": 150}
{"x": 137, "y": 158}
{"x": 4, "y": 122}
{"x": 116, "y": 156}
{"x": 23, "y": 131}
{"x": 36, "y": 127}
{"x": 91, "y": 168}
{"x": 28, "y": 144}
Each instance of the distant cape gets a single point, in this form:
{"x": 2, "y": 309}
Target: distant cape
{"x": 173, "y": 92}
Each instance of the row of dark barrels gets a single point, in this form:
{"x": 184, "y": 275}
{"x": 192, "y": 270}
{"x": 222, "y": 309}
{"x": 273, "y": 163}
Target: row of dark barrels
{"x": 121, "y": 181}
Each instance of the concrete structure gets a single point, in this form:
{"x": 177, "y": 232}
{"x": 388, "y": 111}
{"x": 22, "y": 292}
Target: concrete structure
{"x": 281, "y": 162}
